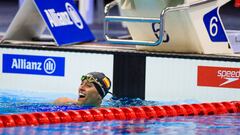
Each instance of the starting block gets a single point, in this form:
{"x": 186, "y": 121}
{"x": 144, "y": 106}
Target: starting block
{"x": 192, "y": 26}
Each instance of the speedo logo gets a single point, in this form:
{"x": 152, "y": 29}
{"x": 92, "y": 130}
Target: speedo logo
{"x": 219, "y": 77}
{"x": 29, "y": 64}
{"x": 64, "y": 18}
{"x": 229, "y": 75}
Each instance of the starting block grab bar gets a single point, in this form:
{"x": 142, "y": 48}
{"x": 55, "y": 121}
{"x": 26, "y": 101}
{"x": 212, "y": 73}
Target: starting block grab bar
{"x": 160, "y": 20}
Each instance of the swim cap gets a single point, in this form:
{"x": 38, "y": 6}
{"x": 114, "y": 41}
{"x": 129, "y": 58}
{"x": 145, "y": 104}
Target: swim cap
{"x": 100, "y": 81}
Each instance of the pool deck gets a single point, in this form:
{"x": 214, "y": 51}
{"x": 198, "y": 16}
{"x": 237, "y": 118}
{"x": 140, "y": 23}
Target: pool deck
{"x": 106, "y": 48}
{"x": 8, "y": 9}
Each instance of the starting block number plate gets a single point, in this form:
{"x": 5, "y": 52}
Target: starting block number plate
{"x": 214, "y": 26}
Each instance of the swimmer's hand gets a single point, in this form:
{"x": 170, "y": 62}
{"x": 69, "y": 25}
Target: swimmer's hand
{"x": 64, "y": 101}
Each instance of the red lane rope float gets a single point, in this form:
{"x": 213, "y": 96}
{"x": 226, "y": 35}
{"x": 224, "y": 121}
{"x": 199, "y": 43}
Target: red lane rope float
{"x": 237, "y": 104}
{"x": 160, "y": 111}
{"x": 190, "y": 110}
{"x": 19, "y": 120}
{"x": 123, "y": 113}
{"x": 118, "y": 113}
{"x": 107, "y": 113}
{"x": 230, "y": 107}
{"x": 170, "y": 111}
{"x": 139, "y": 112}
{"x": 129, "y": 113}
{"x": 210, "y": 109}
{"x": 30, "y": 119}
{"x": 86, "y": 115}
{"x": 75, "y": 116}
{"x": 181, "y": 111}
{"x": 97, "y": 114}
{"x": 64, "y": 117}
{"x": 200, "y": 109}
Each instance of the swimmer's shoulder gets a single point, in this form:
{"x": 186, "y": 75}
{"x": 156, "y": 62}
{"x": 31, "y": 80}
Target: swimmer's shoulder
{"x": 64, "y": 101}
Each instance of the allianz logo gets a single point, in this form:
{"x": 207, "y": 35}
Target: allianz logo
{"x": 68, "y": 17}
{"x": 49, "y": 65}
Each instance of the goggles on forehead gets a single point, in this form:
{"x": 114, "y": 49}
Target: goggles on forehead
{"x": 90, "y": 79}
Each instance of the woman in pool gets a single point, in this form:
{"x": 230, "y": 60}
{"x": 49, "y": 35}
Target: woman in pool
{"x": 94, "y": 87}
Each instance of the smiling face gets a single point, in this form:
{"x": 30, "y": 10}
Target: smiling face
{"x": 88, "y": 94}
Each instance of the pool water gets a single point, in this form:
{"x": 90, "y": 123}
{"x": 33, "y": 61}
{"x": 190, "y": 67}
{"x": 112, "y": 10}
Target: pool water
{"x": 12, "y": 103}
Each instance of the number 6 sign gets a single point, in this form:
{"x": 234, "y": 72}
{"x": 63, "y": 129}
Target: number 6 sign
{"x": 214, "y": 26}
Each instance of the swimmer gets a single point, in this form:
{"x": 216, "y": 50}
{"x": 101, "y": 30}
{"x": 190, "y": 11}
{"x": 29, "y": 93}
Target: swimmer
{"x": 94, "y": 87}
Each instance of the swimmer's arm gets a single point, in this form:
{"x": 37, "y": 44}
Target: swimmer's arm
{"x": 64, "y": 101}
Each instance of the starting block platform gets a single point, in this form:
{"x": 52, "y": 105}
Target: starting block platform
{"x": 188, "y": 26}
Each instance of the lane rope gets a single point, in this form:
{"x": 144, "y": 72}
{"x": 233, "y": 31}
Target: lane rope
{"x": 122, "y": 113}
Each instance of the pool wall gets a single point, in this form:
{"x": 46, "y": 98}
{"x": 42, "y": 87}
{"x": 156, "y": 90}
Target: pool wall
{"x": 179, "y": 79}
{"x": 169, "y": 77}
{"x": 75, "y": 65}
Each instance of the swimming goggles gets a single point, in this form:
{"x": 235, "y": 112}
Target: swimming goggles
{"x": 91, "y": 79}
